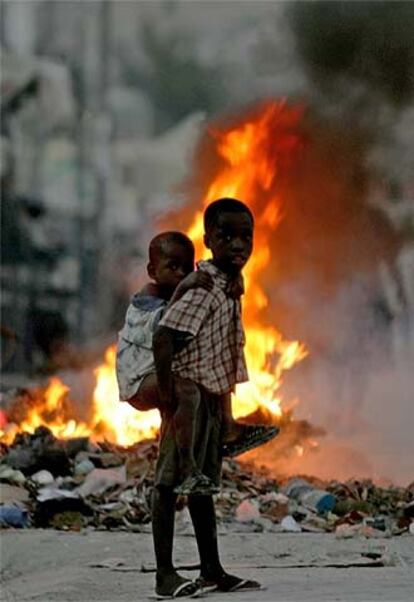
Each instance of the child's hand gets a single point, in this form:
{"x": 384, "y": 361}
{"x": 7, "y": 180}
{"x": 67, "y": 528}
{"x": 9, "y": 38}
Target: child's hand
{"x": 235, "y": 288}
{"x": 193, "y": 280}
{"x": 197, "y": 280}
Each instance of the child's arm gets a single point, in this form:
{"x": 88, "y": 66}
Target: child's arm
{"x": 163, "y": 348}
{"x": 197, "y": 279}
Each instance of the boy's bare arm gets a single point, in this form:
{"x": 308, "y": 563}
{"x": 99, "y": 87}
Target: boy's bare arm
{"x": 197, "y": 279}
{"x": 163, "y": 347}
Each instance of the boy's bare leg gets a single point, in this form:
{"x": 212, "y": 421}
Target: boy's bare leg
{"x": 212, "y": 572}
{"x": 203, "y": 518}
{"x": 146, "y": 398}
{"x": 163, "y": 512}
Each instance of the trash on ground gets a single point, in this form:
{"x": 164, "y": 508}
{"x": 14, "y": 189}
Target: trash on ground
{"x": 74, "y": 484}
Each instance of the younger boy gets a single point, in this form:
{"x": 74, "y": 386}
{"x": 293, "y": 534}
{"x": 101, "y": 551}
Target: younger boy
{"x": 209, "y": 321}
{"x": 171, "y": 265}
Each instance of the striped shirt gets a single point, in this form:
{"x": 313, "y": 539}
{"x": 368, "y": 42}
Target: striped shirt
{"x": 214, "y": 356}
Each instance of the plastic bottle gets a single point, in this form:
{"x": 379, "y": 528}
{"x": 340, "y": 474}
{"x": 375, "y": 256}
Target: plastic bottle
{"x": 309, "y": 496}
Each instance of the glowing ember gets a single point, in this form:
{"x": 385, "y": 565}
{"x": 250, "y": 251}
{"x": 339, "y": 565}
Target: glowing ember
{"x": 251, "y": 155}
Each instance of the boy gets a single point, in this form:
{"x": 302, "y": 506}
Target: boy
{"x": 171, "y": 264}
{"x": 209, "y": 321}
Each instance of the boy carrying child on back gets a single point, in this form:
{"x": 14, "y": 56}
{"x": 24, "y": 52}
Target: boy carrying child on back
{"x": 171, "y": 265}
{"x": 200, "y": 339}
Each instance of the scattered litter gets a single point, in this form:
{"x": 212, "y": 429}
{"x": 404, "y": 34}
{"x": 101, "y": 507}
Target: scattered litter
{"x": 290, "y": 525}
{"x": 9, "y": 475}
{"x": 53, "y": 493}
{"x": 247, "y": 511}
{"x": 76, "y": 483}
{"x": 101, "y": 479}
{"x": 84, "y": 467}
{"x": 313, "y": 498}
{"x": 12, "y": 516}
{"x": 67, "y": 521}
{"x": 10, "y": 494}
{"x": 346, "y": 531}
{"x": 43, "y": 477}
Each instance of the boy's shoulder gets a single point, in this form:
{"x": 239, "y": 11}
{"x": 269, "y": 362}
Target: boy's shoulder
{"x": 142, "y": 308}
{"x": 142, "y": 315}
{"x": 219, "y": 278}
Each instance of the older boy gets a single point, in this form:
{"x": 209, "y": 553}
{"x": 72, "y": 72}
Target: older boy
{"x": 209, "y": 322}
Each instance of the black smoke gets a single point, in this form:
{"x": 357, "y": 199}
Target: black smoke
{"x": 367, "y": 43}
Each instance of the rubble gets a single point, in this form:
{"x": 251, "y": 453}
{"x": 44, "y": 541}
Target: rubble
{"x": 12, "y": 516}
{"x": 74, "y": 484}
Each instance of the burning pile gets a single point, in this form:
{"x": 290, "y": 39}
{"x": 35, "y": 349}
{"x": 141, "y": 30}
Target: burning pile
{"x": 250, "y": 157}
{"x": 72, "y": 484}
{"x": 254, "y": 159}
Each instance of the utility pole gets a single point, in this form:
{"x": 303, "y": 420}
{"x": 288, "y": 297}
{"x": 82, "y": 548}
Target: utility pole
{"x": 94, "y": 163}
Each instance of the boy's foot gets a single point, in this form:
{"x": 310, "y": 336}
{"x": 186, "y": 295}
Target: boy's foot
{"x": 228, "y": 583}
{"x": 197, "y": 483}
{"x": 177, "y": 587}
{"x": 250, "y": 437}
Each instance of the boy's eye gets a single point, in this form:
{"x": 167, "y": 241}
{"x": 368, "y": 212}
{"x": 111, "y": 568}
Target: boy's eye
{"x": 173, "y": 266}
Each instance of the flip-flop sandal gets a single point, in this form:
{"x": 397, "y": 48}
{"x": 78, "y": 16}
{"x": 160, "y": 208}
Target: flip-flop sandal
{"x": 196, "y": 484}
{"x": 187, "y": 589}
{"x": 229, "y": 583}
{"x": 253, "y": 436}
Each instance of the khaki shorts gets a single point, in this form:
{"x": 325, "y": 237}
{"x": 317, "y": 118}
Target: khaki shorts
{"x": 207, "y": 442}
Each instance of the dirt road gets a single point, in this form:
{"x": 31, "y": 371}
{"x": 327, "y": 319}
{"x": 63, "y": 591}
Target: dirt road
{"x": 53, "y": 566}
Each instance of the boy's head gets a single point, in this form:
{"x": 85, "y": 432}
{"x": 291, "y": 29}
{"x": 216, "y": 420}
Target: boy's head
{"x": 228, "y": 233}
{"x": 171, "y": 258}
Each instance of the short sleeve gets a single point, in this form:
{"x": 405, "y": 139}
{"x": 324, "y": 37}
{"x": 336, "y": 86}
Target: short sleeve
{"x": 190, "y": 312}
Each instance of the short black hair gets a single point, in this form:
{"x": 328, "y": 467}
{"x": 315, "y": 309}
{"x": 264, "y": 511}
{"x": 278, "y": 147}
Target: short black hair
{"x": 224, "y": 205}
{"x": 159, "y": 242}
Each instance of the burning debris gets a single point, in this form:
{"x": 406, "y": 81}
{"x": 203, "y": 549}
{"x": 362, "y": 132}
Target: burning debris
{"x": 98, "y": 470}
{"x": 76, "y": 483}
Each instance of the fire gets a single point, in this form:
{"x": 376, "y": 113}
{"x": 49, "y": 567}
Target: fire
{"x": 119, "y": 421}
{"x": 250, "y": 158}
{"x": 251, "y": 155}
{"x": 111, "y": 420}
{"x": 50, "y": 407}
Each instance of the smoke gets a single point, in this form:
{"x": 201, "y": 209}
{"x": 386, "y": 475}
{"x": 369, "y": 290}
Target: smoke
{"x": 370, "y": 44}
{"x": 335, "y": 284}
{"x": 332, "y": 279}
{"x": 332, "y": 283}
{"x": 359, "y": 58}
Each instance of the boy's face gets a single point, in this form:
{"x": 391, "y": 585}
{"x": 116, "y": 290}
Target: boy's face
{"x": 231, "y": 241}
{"x": 173, "y": 263}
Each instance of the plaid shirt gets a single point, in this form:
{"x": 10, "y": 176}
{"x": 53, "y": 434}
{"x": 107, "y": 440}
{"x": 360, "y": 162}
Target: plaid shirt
{"x": 214, "y": 356}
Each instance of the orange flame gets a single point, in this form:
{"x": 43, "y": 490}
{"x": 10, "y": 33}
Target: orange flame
{"x": 251, "y": 155}
{"x": 111, "y": 420}
{"x": 248, "y": 171}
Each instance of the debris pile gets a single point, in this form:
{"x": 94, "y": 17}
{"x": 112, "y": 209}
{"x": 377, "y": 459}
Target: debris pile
{"x": 76, "y": 483}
